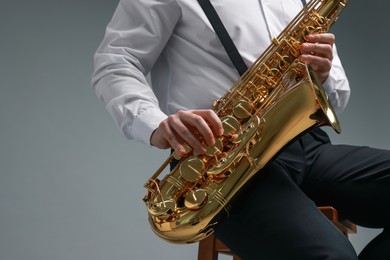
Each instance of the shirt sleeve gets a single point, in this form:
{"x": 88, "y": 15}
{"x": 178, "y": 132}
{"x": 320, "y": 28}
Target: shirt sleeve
{"x": 134, "y": 39}
{"x": 337, "y": 85}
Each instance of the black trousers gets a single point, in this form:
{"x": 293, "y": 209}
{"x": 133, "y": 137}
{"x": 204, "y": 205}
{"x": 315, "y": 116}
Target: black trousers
{"x": 275, "y": 215}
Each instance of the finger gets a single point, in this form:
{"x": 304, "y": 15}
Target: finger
{"x": 212, "y": 120}
{"x": 205, "y": 122}
{"x": 319, "y": 44}
{"x": 164, "y": 137}
{"x": 316, "y": 62}
{"x": 324, "y": 38}
{"x": 183, "y": 127}
{"x": 318, "y": 49}
{"x": 200, "y": 129}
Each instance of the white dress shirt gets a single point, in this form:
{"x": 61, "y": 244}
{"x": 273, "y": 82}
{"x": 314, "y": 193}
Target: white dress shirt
{"x": 174, "y": 41}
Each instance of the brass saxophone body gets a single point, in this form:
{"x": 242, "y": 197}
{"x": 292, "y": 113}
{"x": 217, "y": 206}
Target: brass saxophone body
{"x": 275, "y": 101}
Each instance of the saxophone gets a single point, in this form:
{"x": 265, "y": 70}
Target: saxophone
{"x": 277, "y": 99}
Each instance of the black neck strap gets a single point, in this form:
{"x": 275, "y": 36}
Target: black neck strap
{"x": 224, "y": 37}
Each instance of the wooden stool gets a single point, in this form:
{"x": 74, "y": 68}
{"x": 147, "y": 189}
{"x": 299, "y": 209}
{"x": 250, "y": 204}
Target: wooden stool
{"x": 210, "y": 247}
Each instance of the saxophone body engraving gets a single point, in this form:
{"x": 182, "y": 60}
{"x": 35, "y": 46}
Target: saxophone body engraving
{"x": 275, "y": 101}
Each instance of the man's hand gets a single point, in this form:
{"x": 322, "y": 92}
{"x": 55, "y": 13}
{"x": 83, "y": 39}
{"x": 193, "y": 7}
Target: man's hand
{"x": 318, "y": 53}
{"x": 196, "y": 128}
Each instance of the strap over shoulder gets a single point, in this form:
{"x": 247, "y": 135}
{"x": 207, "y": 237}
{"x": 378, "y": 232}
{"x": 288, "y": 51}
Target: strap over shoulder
{"x": 224, "y": 36}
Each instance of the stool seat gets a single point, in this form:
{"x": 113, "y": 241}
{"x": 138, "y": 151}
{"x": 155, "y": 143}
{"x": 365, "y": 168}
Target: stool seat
{"x": 210, "y": 247}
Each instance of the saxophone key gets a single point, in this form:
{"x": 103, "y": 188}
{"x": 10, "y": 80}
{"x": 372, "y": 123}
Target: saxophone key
{"x": 192, "y": 169}
{"x": 230, "y": 125}
{"x": 162, "y": 209}
{"x": 195, "y": 199}
{"x": 242, "y": 109}
{"x": 216, "y": 149}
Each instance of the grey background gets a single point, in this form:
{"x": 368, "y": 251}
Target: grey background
{"x": 70, "y": 184}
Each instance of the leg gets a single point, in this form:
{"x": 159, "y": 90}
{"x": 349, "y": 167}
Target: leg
{"x": 273, "y": 219}
{"x": 356, "y": 180}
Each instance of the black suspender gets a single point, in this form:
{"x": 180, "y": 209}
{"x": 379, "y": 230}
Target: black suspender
{"x": 224, "y": 37}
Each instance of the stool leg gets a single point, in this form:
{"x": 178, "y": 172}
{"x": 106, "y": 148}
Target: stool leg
{"x": 206, "y": 249}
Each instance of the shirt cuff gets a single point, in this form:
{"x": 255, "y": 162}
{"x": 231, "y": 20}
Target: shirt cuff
{"x": 145, "y": 123}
